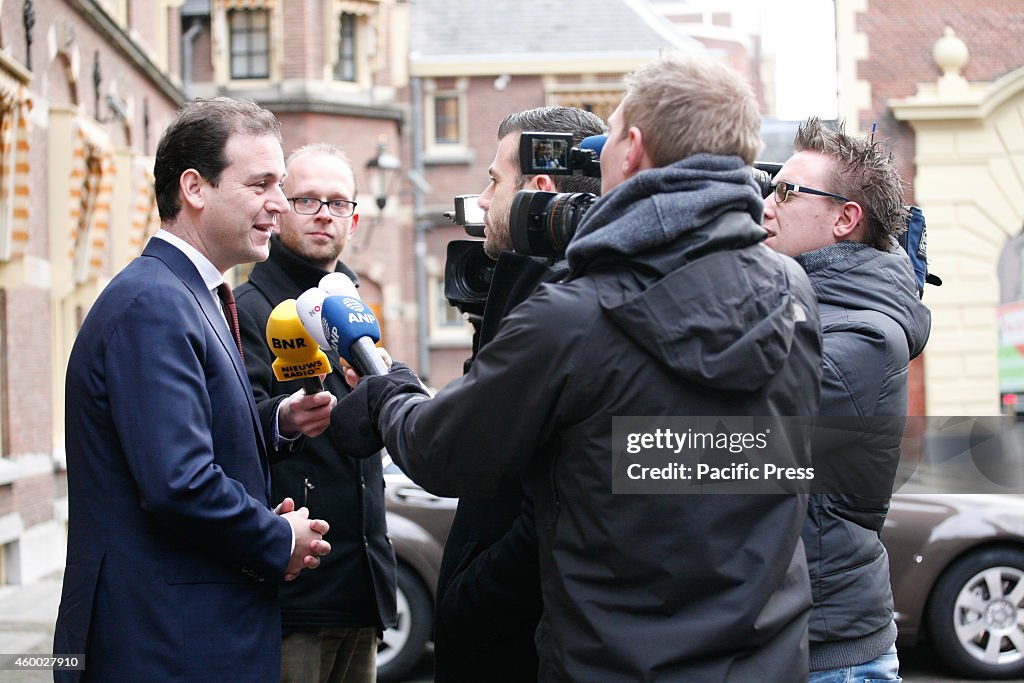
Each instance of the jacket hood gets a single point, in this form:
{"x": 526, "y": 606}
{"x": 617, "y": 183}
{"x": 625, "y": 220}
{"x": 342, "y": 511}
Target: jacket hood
{"x": 698, "y": 290}
{"x": 726, "y": 321}
{"x": 671, "y": 205}
{"x": 856, "y": 276}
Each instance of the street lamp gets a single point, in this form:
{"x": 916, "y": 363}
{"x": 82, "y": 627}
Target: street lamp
{"x": 382, "y": 169}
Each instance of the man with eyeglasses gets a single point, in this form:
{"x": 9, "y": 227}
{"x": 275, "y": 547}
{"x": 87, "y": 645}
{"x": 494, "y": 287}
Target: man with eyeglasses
{"x": 330, "y": 625}
{"x": 837, "y": 208}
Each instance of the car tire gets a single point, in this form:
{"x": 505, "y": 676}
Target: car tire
{"x": 974, "y": 614}
{"x": 403, "y": 647}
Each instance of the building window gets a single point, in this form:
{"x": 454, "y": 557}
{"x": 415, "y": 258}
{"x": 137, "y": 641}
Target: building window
{"x": 448, "y": 317}
{"x": 446, "y": 119}
{"x": 598, "y": 98}
{"x": 345, "y": 69}
{"x": 250, "y": 43}
{"x": 446, "y": 123}
{"x": 448, "y": 326}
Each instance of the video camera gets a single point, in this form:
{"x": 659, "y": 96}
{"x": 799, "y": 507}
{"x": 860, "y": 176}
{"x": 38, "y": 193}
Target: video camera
{"x": 543, "y": 223}
{"x": 540, "y": 223}
{"x": 467, "y": 269}
{"x": 468, "y": 214}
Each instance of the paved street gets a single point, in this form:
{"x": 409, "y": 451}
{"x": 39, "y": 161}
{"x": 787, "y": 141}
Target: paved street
{"x": 918, "y": 666}
{"x": 27, "y": 615}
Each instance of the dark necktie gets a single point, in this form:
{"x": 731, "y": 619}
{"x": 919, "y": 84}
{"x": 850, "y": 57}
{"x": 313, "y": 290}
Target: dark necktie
{"x": 231, "y": 313}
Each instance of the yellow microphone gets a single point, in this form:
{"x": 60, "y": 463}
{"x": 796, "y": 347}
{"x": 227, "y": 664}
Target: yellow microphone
{"x": 298, "y": 355}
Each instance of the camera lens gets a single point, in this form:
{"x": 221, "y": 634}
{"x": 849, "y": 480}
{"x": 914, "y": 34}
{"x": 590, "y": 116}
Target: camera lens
{"x": 475, "y": 272}
{"x": 542, "y": 223}
{"x": 467, "y": 272}
{"x": 565, "y": 213}
{"x": 764, "y": 182}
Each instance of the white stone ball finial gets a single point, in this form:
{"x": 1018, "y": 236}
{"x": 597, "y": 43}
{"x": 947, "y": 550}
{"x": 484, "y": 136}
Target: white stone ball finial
{"x": 951, "y": 55}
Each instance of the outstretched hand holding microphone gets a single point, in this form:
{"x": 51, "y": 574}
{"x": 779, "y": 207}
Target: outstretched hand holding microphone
{"x": 335, "y": 316}
{"x": 307, "y": 411}
{"x": 349, "y": 326}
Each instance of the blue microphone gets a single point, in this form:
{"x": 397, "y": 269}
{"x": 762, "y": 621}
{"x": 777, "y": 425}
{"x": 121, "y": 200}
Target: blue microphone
{"x": 588, "y": 158}
{"x": 595, "y": 143}
{"x": 352, "y": 330}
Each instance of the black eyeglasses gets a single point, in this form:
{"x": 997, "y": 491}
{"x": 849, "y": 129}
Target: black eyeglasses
{"x": 342, "y": 208}
{"x": 783, "y": 189}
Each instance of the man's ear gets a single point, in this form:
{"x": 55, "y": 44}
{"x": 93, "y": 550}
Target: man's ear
{"x": 191, "y": 185}
{"x": 848, "y": 224}
{"x": 636, "y": 159}
{"x": 355, "y": 222}
{"x": 542, "y": 182}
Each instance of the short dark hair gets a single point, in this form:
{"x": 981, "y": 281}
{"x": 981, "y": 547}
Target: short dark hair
{"x": 196, "y": 139}
{"x": 579, "y": 122}
{"x": 865, "y": 173}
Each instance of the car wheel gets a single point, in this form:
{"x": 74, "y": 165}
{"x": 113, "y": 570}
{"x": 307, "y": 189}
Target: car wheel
{"x": 976, "y": 614}
{"x": 403, "y": 646}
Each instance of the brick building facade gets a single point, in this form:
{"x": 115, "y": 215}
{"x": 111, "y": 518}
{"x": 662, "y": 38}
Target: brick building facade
{"x": 87, "y": 86}
{"x": 951, "y": 111}
{"x": 85, "y": 89}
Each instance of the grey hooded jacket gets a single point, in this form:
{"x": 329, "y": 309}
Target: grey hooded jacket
{"x": 873, "y": 324}
{"x": 673, "y": 308}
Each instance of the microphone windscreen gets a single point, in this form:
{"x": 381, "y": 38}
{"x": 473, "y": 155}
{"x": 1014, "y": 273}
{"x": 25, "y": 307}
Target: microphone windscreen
{"x": 308, "y": 307}
{"x": 595, "y": 143}
{"x": 346, "y": 319}
{"x": 338, "y": 284}
{"x": 298, "y": 356}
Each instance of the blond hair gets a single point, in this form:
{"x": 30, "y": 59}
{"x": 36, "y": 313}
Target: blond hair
{"x": 328, "y": 149}
{"x": 689, "y": 104}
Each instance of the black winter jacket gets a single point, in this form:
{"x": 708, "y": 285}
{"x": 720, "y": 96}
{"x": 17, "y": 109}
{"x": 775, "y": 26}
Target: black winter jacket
{"x": 673, "y": 308}
{"x": 355, "y": 584}
{"x": 873, "y": 324}
{"x": 490, "y": 564}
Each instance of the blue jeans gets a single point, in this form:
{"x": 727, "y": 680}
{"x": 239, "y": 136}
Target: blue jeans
{"x": 885, "y": 668}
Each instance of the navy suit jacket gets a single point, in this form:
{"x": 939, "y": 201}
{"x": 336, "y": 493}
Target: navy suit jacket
{"x": 174, "y": 557}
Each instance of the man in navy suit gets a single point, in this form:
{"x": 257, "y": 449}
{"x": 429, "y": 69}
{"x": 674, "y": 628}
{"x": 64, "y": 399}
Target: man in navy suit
{"x": 174, "y": 553}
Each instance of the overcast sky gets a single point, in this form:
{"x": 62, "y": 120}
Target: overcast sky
{"x": 801, "y": 33}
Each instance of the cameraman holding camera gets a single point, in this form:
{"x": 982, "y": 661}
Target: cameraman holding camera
{"x": 672, "y": 307}
{"x": 837, "y": 209}
{"x": 490, "y": 565}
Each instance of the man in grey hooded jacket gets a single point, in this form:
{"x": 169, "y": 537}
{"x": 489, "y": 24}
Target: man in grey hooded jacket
{"x": 672, "y": 307}
{"x": 837, "y": 209}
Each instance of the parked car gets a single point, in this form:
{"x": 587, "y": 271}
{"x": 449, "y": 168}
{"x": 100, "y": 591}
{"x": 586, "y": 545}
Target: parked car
{"x": 957, "y": 572}
{"x": 956, "y": 562}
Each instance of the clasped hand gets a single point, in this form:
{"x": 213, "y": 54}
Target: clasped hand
{"x": 310, "y": 545}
